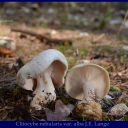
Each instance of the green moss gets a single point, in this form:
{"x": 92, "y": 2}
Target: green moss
{"x": 64, "y": 100}
{"x": 83, "y": 52}
{"x": 16, "y": 91}
{"x": 71, "y": 62}
{"x": 65, "y": 49}
{"x": 105, "y": 117}
{"x": 125, "y": 118}
{"x": 114, "y": 88}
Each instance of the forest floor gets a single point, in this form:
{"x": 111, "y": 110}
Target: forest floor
{"x": 105, "y": 48}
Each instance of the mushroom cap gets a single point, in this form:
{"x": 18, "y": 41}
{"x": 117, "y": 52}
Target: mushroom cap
{"x": 39, "y": 64}
{"x": 82, "y": 73}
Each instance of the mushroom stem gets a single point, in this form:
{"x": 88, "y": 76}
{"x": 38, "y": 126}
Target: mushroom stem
{"x": 89, "y": 93}
{"x": 44, "y": 92}
{"x": 88, "y": 106}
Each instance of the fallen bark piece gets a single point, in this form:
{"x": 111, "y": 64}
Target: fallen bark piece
{"x": 6, "y": 51}
{"x": 119, "y": 109}
{"x": 45, "y": 38}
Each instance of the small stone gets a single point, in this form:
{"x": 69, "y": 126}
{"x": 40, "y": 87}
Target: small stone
{"x": 119, "y": 109}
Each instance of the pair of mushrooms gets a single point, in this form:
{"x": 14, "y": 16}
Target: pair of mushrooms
{"x": 85, "y": 82}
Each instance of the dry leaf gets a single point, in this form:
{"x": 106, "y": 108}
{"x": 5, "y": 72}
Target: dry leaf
{"x": 61, "y": 112}
{"x": 6, "y": 51}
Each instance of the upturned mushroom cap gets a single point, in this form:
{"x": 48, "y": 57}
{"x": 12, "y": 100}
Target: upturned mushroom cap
{"x": 36, "y": 66}
{"x": 83, "y": 73}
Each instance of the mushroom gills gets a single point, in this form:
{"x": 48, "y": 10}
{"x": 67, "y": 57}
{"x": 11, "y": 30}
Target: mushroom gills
{"x": 88, "y": 83}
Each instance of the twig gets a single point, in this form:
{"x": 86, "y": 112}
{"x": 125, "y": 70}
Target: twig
{"x": 5, "y": 80}
{"x": 8, "y": 74}
{"x": 78, "y": 54}
{"x": 35, "y": 118}
{"x": 122, "y": 23}
{"x": 43, "y": 37}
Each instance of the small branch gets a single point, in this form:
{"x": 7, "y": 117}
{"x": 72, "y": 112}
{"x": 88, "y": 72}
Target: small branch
{"x": 122, "y": 23}
{"x": 43, "y": 37}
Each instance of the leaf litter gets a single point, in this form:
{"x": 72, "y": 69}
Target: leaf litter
{"x": 13, "y": 96}
{"x": 60, "y": 113}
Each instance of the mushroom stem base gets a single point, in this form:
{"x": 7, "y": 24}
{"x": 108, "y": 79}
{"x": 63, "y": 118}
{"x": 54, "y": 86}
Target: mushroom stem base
{"x": 44, "y": 92}
{"x": 89, "y": 110}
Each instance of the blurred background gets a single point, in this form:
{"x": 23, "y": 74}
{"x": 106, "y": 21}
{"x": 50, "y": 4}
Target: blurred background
{"x": 70, "y": 15}
{"x": 88, "y": 23}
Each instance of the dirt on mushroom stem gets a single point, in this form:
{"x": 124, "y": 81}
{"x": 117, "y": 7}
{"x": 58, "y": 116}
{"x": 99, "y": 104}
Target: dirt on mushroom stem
{"x": 45, "y": 91}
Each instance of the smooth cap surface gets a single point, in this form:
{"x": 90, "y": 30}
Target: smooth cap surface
{"x": 39, "y": 64}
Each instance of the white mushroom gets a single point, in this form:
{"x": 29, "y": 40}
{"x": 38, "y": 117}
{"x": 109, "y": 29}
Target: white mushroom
{"x": 89, "y": 83}
{"x": 45, "y": 72}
